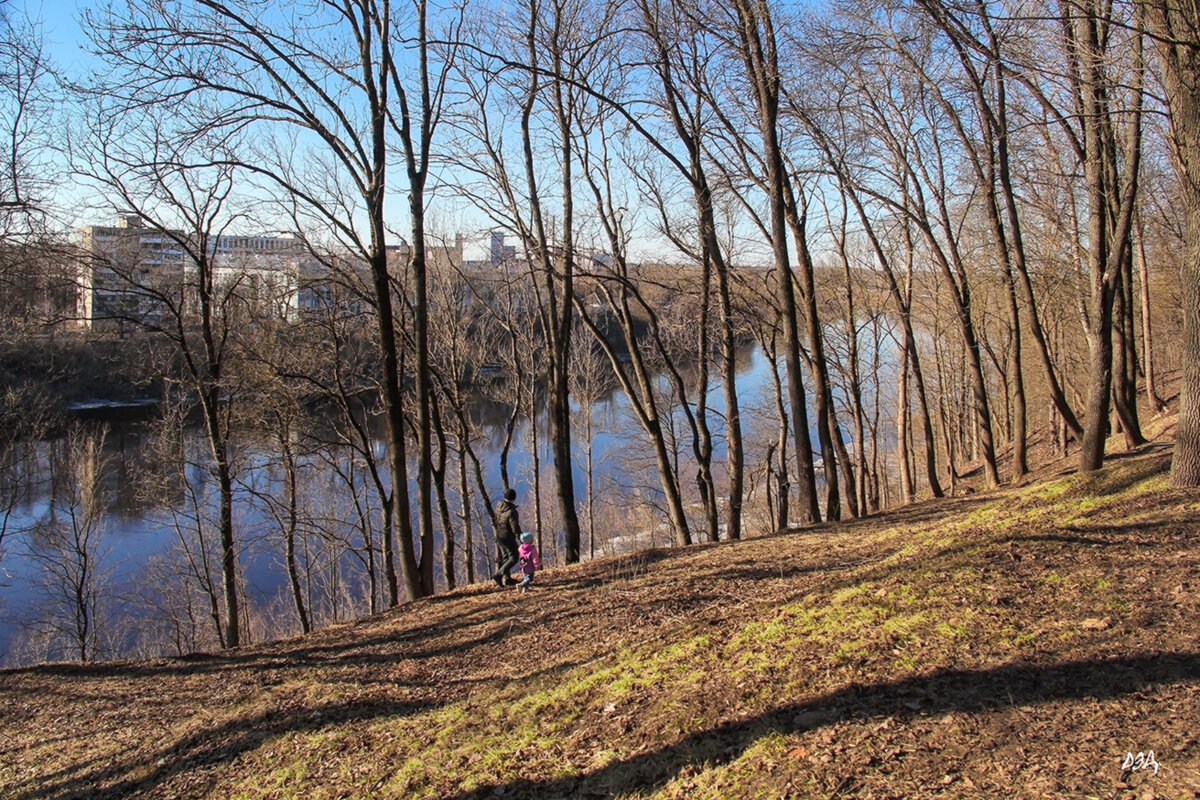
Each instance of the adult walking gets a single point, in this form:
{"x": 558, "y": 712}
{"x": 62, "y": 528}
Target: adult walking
{"x": 508, "y": 528}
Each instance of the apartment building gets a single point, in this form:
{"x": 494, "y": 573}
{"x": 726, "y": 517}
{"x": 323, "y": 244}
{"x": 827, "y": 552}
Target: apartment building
{"x": 131, "y": 274}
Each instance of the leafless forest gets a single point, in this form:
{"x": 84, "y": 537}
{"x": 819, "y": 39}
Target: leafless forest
{"x": 965, "y": 236}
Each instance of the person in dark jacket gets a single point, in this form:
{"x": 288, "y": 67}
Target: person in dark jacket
{"x": 508, "y": 528}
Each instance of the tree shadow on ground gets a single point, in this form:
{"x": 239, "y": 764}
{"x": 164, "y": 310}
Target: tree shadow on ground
{"x": 970, "y": 691}
{"x": 604, "y": 571}
{"x": 1123, "y": 471}
{"x": 208, "y": 747}
{"x": 397, "y": 639}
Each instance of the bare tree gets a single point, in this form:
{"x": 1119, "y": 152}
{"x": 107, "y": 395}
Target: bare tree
{"x": 163, "y": 269}
{"x": 283, "y": 499}
{"x": 475, "y": 331}
{"x": 560, "y": 42}
{"x": 36, "y": 284}
{"x": 461, "y": 335}
{"x": 591, "y": 382}
{"x": 27, "y": 102}
{"x": 540, "y": 73}
{"x": 848, "y": 360}
{"x": 1087, "y": 35}
{"x": 68, "y": 544}
{"x": 419, "y": 98}
{"x": 852, "y": 157}
{"x": 642, "y": 346}
{"x": 25, "y": 419}
{"x": 186, "y": 582}
{"x": 682, "y": 53}
{"x": 1176, "y": 29}
{"x": 756, "y": 33}
{"x": 1144, "y": 306}
{"x": 928, "y": 199}
{"x": 760, "y": 308}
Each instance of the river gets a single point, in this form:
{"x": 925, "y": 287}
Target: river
{"x": 134, "y": 538}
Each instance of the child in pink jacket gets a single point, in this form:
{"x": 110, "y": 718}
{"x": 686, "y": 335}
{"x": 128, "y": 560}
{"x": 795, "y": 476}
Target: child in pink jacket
{"x": 531, "y": 560}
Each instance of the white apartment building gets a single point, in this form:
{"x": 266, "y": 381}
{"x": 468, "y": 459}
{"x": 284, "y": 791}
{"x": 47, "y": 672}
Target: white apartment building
{"x": 130, "y": 274}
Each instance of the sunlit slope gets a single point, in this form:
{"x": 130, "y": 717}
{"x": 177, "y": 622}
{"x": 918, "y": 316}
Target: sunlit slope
{"x": 1017, "y": 643}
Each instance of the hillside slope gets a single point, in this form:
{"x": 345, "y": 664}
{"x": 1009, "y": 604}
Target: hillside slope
{"x": 1017, "y": 643}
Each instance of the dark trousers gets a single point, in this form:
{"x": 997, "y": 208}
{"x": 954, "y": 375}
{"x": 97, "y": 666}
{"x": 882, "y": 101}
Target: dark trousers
{"x": 506, "y": 554}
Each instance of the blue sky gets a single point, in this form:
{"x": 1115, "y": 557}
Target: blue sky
{"x": 59, "y": 25}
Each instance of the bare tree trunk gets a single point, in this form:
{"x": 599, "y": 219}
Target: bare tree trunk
{"x": 289, "y": 519}
{"x": 1110, "y": 209}
{"x": 393, "y": 404}
{"x": 415, "y": 145}
{"x": 702, "y": 442}
{"x": 443, "y": 504}
{"x": 877, "y": 496}
{"x": 823, "y": 409}
{"x": 735, "y": 456}
{"x": 780, "y": 446}
{"x": 758, "y": 51}
{"x": 555, "y": 260}
{"x": 686, "y": 93}
{"x": 1124, "y": 362}
{"x": 1176, "y": 28}
{"x": 1152, "y": 397}
{"x": 466, "y": 516}
{"x": 1185, "y": 465}
{"x": 914, "y": 362}
{"x": 907, "y": 490}
{"x": 855, "y": 486}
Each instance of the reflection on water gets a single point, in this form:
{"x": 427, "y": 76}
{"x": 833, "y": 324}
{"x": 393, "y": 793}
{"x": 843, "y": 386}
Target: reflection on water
{"x": 154, "y": 507}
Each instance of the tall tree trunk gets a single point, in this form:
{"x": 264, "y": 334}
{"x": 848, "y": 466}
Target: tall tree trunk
{"x": 415, "y": 144}
{"x": 823, "y": 410}
{"x": 1176, "y": 27}
{"x": 735, "y": 456}
{"x": 1124, "y": 362}
{"x": 290, "y": 522}
{"x": 1152, "y": 397}
{"x": 440, "y": 459}
{"x": 1185, "y": 464}
{"x": 857, "y": 487}
{"x": 468, "y": 524}
{"x": 557, "y": 268}
{"x": 780, "y": 445}
{"x": 229, "y": 577}
{"x": 217, "y": 429}
{"x": 1110, "y": 210}
{"x": 1020, "y": 413}
{"x": 702, "y": 441}
{"x": 758, "y": 51}
{"x": 907, "y": 489}
{"x": 688, "y": 121}
{"x": 424, "y": 394}
{"x": 393, "y": 404}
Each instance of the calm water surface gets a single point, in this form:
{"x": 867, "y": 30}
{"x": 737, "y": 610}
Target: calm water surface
{"x": 132, "y": 532}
